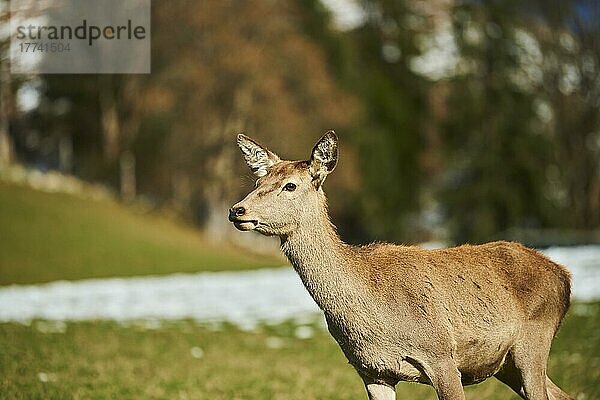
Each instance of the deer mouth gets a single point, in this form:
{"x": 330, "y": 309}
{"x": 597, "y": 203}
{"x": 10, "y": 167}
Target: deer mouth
{"x": 245, "y": 225}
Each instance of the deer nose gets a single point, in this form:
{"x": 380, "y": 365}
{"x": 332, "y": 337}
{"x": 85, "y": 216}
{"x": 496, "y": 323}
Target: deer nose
{"x": 236, "y": 212}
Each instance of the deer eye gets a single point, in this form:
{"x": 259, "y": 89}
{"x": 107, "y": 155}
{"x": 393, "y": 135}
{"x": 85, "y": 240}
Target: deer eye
{"x": 289, "y": 187}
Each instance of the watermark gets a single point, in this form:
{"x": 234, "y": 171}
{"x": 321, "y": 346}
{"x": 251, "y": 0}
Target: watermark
{"x": 80, "y": 36}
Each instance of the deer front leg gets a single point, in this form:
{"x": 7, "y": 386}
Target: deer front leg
{"x": 378, "y": 390}
{"x": 445, "y": 378}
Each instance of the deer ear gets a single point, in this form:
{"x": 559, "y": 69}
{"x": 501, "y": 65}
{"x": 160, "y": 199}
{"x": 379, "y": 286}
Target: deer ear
{"x": 324, "y": 157}
{"x": 258, "y": 158}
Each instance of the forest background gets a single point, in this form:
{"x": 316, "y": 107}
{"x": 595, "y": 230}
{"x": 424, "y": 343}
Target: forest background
{"x": 459, "y": 121}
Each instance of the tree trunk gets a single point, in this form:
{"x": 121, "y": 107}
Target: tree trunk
{"x": 127, "y": 174}
{"x": 218, "y": 192}
{"x": 6, "y": 147}
{"x": 182, "y": 193}
{"x": 109, "y": 118}
{"x": 65, "y": 153}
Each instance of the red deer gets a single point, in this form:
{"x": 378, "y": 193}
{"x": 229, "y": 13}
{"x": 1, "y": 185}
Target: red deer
{"x": 446, "y": 317}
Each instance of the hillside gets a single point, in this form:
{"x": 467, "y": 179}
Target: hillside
{"x": 50, "y": 236}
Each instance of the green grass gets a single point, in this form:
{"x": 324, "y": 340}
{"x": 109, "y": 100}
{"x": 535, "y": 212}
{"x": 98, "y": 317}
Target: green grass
{"x": 44, "y": 237}
{"x": 104, "y": 360}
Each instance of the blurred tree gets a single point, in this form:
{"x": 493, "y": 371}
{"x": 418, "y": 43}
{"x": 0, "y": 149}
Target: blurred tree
{"x": 218, "y": 68}
{"x": 372, "y": 61}
{"x": 521, "y": 120}
{"x": 485, "y": 110}
{"x": 395, "y": 99}
{"x": 570, "y": 89}
{"x": 7, "y": 105}
{"x": 239, "y": 66}
{"x": 495, "y": 162}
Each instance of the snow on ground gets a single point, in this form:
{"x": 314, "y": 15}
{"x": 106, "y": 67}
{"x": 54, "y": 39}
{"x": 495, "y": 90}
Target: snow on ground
{"x": 242, "y": 298}
{"x": 584, "y": 264}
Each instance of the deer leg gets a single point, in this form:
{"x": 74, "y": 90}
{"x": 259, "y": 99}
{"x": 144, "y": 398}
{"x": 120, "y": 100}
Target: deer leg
{"x": 379, "y": 391}
{"x": 445, "y": 379}
{"x": 511, "y": 376}
{"x": 530, "y": 356}
{"x": 534, "y": 382}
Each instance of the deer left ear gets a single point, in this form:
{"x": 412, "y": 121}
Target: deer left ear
{"x": 324, "y": 157}
{"x": 258, "y": 158}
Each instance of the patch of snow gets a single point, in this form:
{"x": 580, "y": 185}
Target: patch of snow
{"x": 584, "y": 264}
{"x": 197, "y": 352}
{"x": 274, "y": 342}
{"x": 242, "y": 298}
{"x": 54, "y": 182}
{"x": 304, "y": 332}
{"x": 46, "y": 377}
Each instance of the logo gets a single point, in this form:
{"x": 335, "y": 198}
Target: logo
{"x": 80, "y": 36}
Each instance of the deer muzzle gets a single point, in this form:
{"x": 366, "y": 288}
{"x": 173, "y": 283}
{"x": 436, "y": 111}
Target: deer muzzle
{"x": 236, "y": 215}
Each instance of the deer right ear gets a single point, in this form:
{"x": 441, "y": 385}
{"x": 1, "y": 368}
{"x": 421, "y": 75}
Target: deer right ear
{"x": 258, "y": 158}
{"x": 324, "y": 157}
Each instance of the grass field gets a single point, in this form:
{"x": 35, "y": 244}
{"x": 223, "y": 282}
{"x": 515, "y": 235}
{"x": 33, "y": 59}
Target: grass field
{"x": 182, "y": 360}
{"x": 49, "y": 236}
{"x": 45, "y": 237}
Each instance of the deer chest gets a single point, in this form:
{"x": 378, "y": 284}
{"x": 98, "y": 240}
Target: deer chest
{"x": 372, "y": 353}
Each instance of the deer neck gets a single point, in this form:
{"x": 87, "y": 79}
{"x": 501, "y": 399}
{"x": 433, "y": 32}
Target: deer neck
{"x": 325, "y": 265}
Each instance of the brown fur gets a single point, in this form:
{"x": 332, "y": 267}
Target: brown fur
{"x": 447, "y": 317}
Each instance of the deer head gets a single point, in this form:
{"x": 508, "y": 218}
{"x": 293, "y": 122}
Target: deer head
{"x": 288, "y": 194}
